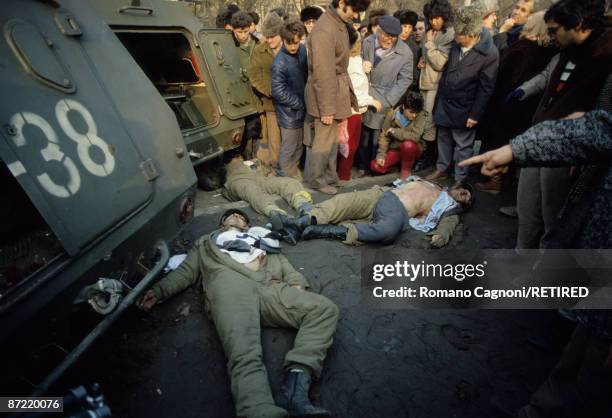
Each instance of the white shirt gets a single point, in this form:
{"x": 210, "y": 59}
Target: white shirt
{"x": 361, "y": 84}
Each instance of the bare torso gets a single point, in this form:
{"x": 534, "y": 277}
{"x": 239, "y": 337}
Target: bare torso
{"x": 418, "y": 197}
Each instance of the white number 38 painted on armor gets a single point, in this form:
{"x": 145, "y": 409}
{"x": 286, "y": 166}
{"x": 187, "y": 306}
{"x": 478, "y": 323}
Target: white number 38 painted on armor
{"x": 53, "y": 152}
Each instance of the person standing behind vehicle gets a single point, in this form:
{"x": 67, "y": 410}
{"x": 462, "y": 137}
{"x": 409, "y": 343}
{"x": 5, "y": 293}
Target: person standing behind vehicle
{"x": 390, "y": 76}
{"x": 268, "y": 150}
{"x": 329, "y": 95}
{"x": 289, "y": 75}
{"x": 436, "y": 45}
{"x": 466, "y": 86}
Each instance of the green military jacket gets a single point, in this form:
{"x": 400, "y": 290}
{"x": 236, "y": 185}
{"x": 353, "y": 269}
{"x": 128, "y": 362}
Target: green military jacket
{"x": 416, "y": 132}
{"x": 260, "y": 73}
{"x": 205, "y": 262}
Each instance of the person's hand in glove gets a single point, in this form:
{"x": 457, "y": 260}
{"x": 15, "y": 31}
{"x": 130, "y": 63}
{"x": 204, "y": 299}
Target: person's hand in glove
{"x": 516, "y": 94}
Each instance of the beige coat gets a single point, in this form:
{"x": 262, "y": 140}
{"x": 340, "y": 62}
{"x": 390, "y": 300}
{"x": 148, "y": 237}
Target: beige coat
{"x": 329, "y": 90}
{"x": 435, "y": 54}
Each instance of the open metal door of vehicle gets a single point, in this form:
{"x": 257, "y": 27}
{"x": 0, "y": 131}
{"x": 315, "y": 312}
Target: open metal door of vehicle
{"x": 65, "y": 143}
{"x": 233, "y": 87}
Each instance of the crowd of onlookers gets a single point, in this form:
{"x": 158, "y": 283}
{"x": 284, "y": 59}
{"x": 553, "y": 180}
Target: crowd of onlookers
{"x": 345, "y": 91}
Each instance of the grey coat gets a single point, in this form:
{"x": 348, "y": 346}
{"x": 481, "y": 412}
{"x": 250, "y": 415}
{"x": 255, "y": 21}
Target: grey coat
{"x": 586, "y": 219}
{"x": 389, "y": 80}
{"x": 467, "y": 84}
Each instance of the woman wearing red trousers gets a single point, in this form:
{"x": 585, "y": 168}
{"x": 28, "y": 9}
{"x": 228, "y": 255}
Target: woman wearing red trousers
{"x": 401, "y": 140}
{"x": 361, "y": 88}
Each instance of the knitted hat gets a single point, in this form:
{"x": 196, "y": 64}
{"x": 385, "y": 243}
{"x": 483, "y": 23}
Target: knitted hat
{"x": 468, "y": 20}
{"x": 272, "y": 25}
{"x": 311, "y": 12}
{"x": 390, "y": 25}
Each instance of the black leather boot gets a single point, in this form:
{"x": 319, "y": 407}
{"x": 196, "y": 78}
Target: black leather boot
{"x": 297, "y": 225}
{"x": 325, "y": 231}
{"x": 294, "y": 396}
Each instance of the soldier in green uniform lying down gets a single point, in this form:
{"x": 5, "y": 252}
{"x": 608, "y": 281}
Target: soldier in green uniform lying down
{"x": 247, "y": 284}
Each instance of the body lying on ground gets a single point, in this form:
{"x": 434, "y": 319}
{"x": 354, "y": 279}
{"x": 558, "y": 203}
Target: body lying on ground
{"x": 381, "y": 214}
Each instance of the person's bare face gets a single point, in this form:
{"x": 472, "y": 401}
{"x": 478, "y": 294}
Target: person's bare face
{"x": 253, "y": 28}
{"x": 521, "y": 12}
{"x": 292, "y": 47}
{"x": 419, "y": 30}
{"x": 437, "y": 23}
{"x": 242, "y": 35}
{"x": 410, "y": 114}
{"x": 235, "y": 220}
{"x": 345, "y": 12}
{"x": 274, "y": 42}
{"x": 406, "y": 32}
{"x": 385, "y": 40}
{"x": 489, "y": 20}
{"x": 309, "y": 24}
{"x": 466, "y": 41}
{"x": 461, "y": 195}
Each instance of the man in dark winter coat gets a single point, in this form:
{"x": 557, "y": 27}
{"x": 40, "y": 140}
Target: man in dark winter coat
{"x": 465, "y": 88}
{"x": 289, "y": 74}
{"x": 585, "y": 62}
{"x": 512, "y": 27}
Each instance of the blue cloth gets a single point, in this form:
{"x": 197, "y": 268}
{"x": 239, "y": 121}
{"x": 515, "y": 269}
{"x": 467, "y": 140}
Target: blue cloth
{"x": 289, "y": 75}
{"x": 401, "y": 120}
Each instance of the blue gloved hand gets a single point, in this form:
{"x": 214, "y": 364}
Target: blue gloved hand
{"x": 515, "y": 94}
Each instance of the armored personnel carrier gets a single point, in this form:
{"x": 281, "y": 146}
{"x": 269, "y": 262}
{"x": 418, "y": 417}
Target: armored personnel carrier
{"x": 94, "y": 175}
{"x": 195, "y": 69}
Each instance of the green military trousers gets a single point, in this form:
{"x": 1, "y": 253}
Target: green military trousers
{"x": 347, "y": 209}
{"x": 239, "y": 307}
{"x": 258, "y": 190}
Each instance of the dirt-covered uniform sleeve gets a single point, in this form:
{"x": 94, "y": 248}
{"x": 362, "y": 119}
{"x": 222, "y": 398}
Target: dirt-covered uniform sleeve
{"x": 290, "y": 275}
{"x": 445, "y": 229}
{"x": 186, "y": 274}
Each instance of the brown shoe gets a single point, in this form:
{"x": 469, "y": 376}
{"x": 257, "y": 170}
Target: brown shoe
{"x": 437, "y": 175}
{"x": 328, "y": 189}
{"x": 493, "y": 185}
{"x": 359, "y": 174}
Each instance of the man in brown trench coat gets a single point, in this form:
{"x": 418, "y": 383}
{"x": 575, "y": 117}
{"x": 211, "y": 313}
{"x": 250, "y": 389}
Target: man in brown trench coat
{"x": 329, "y": 94}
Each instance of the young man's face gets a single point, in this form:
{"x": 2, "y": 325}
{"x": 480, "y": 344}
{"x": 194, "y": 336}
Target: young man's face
{"x": 235, "y": 220}
{"x": 406, "y": 32}
{"x": 274, "y": 42}
{"x": 419, "y": 30}
{"x": 521, "y": 12}
{"x": 242, "y": 35}
{"x": 309, "y": 24}
{"x": 345, "y": 12}
{"x": 436, "y": 23}
{"x": 410, "y": 114}
{"x": 253, "y": 28}
{"x": 461, "y": 195}
{"x": 292, "y": 46}
{"x": 385, "y": 40}
{"x": 561, "y": 36}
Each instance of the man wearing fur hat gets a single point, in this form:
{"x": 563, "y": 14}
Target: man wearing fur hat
{"x": 489, "y": 13}
{"x": 261, "y": 80}
{"x": 465, "y": 88}
{"x": 248, "y": 283}
{"x": 309, "y": 15}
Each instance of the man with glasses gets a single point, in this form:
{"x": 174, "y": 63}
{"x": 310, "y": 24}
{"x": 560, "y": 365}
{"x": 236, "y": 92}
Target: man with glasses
{"x": 580, "y": 30}
{"x": 391, "y": 74}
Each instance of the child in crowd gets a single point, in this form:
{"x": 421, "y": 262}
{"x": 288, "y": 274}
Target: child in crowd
{"x": 289, "y": 74}
{"x": 401, "y": 140}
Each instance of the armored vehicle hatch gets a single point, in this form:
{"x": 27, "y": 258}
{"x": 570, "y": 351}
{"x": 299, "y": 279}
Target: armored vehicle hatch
{"x": 196, "y": 70}
{"x": 93, "y": 169}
